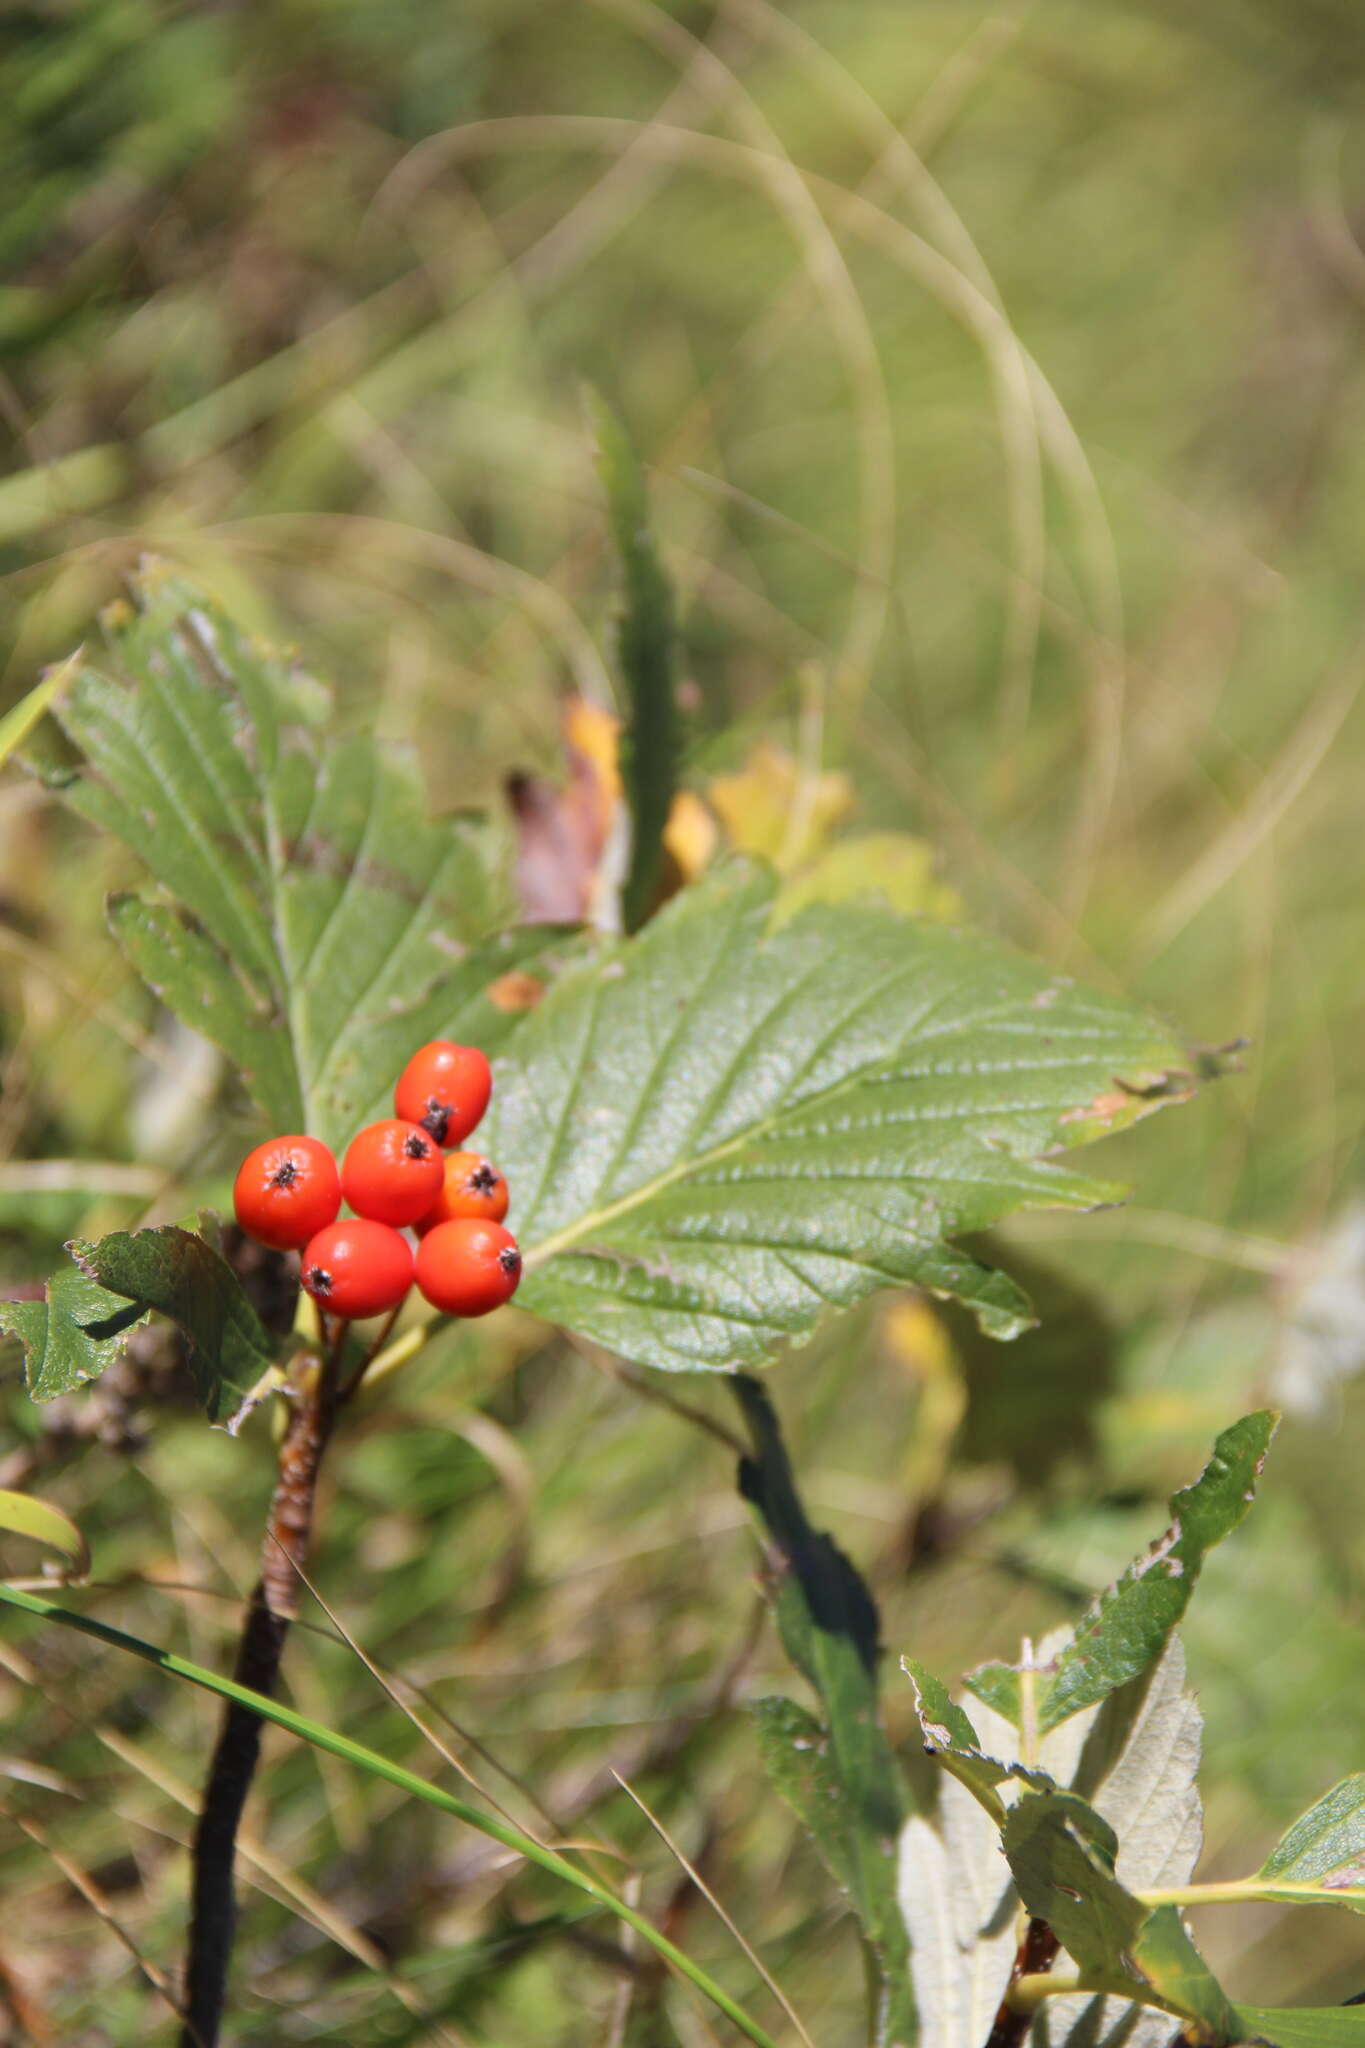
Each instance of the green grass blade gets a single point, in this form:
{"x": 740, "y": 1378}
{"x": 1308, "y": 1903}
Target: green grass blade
{"x": 406, "y": 1781}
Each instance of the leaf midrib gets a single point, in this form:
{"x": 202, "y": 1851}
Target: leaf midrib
{"x": 596, "y": 1219}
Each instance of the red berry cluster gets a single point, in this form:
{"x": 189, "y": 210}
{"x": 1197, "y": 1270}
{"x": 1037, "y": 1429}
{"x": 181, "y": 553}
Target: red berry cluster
{"x": 288, "y": 1193}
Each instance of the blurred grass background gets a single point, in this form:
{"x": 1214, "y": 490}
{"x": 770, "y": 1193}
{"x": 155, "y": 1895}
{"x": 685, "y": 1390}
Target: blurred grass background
{"x": 999, "y": 373}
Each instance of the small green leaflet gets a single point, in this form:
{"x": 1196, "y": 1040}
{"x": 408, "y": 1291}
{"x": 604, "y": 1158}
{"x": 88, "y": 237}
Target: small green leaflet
{"x": 1128, "y": 1626}
{"x": 179, "y": 1274}
{"x": 77, "y": 1333}
{"x": 950, "y": 1736}
{"x": 317, "y": 926}
{"x": 1322, "y": 1857}
{"x": 717, "y": 1131}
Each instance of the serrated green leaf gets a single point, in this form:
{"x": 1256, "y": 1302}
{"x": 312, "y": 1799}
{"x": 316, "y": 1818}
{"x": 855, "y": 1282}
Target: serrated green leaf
{"x": 851, "y": 1783}
{"x": 318, "y": 926}
{"x": 183, "y": 1277}
{"x": 1305, "y": 2026}
{"x": 718, "y": 1131}
{"x": 645, "y": 651}
{"x": 76, "y": 1334}
{"x": 1322, "y": 1857}
{"x": 1129, "y": 1624}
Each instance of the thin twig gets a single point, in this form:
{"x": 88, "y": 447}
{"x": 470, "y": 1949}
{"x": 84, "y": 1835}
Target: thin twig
{"x": 1037, "y": 1953}
{"x": 273, "y": 1606}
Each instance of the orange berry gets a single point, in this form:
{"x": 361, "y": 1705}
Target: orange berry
{"x": 468, "y": 1267}
{"x": 472, "y": 1186}
{"x": 445, "y": 1088}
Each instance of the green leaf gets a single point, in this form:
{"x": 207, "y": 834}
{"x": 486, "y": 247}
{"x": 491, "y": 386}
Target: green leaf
{"x": 1322, "y": 1857}
{"x": 1138, "y": 1767}
{"x": 1128, "y": 1626}
{"x": 41, "y": 1523}
{"x": 1305, "y": 2026}
{"x": 77, "y": 1333}
{"x": 849, "y": 1787}
{"x": 795, "y": 1749}
{"x": 1062, "y": 1854}
{"x": 317, "y": 925}
{"x": 1176, "y": 1971}
{"x": 717, "y": 1131}
{"x": 183, "y": 1277}
{"x": 645, "y": 651}
{"x": 950, "y": 1736}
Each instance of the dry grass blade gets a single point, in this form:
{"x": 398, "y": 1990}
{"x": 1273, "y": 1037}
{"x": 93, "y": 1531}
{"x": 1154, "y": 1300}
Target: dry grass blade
{"x": 308, "y": 1901}
{"x": 81, "y": 1881}
{"x": 764, "y": 1974}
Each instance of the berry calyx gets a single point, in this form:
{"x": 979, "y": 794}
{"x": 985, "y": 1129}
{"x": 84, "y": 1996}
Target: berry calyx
{"x": 445, "y": 1088}
{"x": 285, "y": 1190}
{"x": 391, "y": 1172}
{"x": 357, "y": 1268}
{"x": 472, "y": 1186}
{"x": 468, "y": 1267}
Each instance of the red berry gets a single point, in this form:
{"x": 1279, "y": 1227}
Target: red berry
{"x": 468, "y": 1267}
{"x": 472, "y": 1187}
{"x": 357, "y": 1268}
{"x": 285, "y": 1190}
{"x": 391, "y": 1172}
{"x": 445, "y": 1088}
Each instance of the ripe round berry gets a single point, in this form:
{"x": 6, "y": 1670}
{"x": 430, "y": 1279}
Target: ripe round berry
{"x": 391, "y": 1172}
{"x": 445, "y": 1088}
{"x": 357, "y": 1268}
{"x": 468, "y": 1267}
{"x": 472, "y": 1187}
{"x": 286, "y": 1190}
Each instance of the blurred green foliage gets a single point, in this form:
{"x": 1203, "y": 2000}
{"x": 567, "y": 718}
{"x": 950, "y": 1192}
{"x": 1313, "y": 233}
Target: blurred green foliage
{"x": 306, "y": 296}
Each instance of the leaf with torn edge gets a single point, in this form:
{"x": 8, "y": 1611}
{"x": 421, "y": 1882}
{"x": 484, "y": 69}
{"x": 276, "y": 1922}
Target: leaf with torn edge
{"x": 74, "y": 1335}
{"x": 1134, "y": 1761}
{"x": 177, "y": 1273}
{"x": 717, "y": 1131}
{"x": 1129, "y": 1624}
{"x": 1062, "y": 1854}
{"x": 950, "y": 1736}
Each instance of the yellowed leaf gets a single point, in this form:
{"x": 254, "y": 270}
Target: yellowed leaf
{"x": 777, "y": 810}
